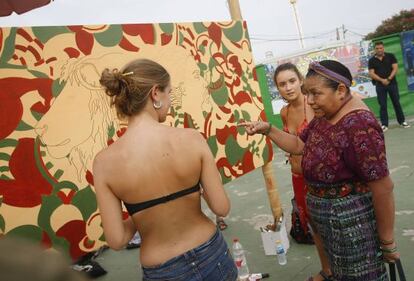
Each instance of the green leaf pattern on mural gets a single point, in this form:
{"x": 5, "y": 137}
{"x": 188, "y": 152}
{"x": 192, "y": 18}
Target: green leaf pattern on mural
{"x": 233, "y": 150}
{"x": 167, "y": 27}
{"x": 234, "y": 33}
{"x": 199, "y": 27}
{"x": 44, "y": 34}
{"x": 111, "y": 36}
{"x": 212, "y": 143}
{"x": 57, "y": 87}
{"x": 2, "y": 223}
{"x": 220, "y": 95}
{"x": 4, "y": 156}
{"x": 8, "y": 48}
{"x": 85, "y": 201}
{"x": 8, "y": 143}
{"x": 29, "y": 232}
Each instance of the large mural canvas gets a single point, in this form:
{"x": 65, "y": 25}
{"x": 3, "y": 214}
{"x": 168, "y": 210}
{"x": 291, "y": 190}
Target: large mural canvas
{"x": 54, "y": 116}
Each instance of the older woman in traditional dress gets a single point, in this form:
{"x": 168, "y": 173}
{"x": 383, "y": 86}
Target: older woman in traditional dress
{"x": 350, "y": 197}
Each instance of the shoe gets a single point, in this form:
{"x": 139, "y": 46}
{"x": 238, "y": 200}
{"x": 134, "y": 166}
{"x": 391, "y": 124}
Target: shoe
{"x": 405, "y": 125}
{"x": 221, "y": 224}
{"x": 384, "y": 128}
{"x": 135, "y": 242}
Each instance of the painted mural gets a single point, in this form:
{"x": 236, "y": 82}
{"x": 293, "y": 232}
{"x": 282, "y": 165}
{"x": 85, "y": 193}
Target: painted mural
{"x": 54, "y": 116}
{"x": 407, "y": 47}
{"x": 354, "y": 55}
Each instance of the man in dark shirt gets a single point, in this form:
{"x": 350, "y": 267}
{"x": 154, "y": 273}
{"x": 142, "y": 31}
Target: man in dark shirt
{"x": 382, "y": 69}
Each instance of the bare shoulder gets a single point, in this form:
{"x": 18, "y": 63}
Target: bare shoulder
{"x": 100, "y": 160}
{"x": 283, "y": 111}
{"x": 191, "y": 135}
{"x": 283, "y": 114}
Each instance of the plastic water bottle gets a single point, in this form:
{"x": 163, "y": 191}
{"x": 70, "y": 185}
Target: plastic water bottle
{"x": 240, "y": 260}
{"x": 281, "y": 253}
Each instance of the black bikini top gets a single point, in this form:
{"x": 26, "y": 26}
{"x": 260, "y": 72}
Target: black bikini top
{"x": 135, "y": 208}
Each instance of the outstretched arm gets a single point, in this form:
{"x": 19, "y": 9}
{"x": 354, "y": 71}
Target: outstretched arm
{"x": 285, "y": 141}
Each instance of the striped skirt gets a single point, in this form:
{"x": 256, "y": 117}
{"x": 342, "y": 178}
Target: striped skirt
{"x": 348, "y": 229}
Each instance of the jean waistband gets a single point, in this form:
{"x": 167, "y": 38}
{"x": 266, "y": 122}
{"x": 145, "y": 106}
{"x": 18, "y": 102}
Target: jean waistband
{"x": 199, "y": 250}
{"x": 336, "y": 190}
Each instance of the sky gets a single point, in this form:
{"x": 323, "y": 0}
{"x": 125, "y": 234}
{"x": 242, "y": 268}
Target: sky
{"x": 271, "y": 23}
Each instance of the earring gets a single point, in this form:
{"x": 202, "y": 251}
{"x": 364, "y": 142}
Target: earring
{"x": 157, "y": 105}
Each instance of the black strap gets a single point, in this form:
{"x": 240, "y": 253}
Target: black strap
{"x": 393, "y": 275}
{"x": 134, "y": 208}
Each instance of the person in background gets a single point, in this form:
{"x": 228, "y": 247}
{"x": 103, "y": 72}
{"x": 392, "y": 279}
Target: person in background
{"x": 160, "y": 174}
{"x": 350, "y": 193}
{"x": 382, "y": 69}
{"x": 296, "y": 116}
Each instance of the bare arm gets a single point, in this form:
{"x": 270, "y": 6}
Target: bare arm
{"x": 117, "y": 231}
{"x": 383, "y": 201}
{"x": 213, "y": 191}
{"x": 289, "y": 143}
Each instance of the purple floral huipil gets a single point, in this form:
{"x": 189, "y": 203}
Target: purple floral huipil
{"x": 353, "y": 149}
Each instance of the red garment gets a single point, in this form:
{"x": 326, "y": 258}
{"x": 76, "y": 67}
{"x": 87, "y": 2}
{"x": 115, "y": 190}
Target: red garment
{"x": 298, "y": 183}
{"x": 300, "y": 190}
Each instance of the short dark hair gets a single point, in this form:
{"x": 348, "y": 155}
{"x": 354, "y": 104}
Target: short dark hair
{"x": 378, "y": 43}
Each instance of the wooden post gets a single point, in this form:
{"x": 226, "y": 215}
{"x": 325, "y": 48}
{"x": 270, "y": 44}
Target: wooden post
{"x": 271, "y": 187}
{"x": 235, "y": 10}
{"x": 272, "y": 191}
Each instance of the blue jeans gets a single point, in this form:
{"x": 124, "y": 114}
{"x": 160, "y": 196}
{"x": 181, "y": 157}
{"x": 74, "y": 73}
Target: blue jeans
{"x": 392, "y": 90}
{"x": 211, "y": 261}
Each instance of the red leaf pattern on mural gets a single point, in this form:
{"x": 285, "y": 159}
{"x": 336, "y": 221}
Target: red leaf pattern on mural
{"x": 66, "y": 199}
{"x": 46, "y": 241}
{"x": 28, "y": 185}
{"x": 223, "y": 134}
{"x": 11, "y": 108}
{"x": 242, "y": 97}
{"x": 165, "y": 38}
{"x": 84, "y": 41}
{"x": 72, "y": 52}
{"x": 74, "y": 232}
{"x": 248, "y": 162}
{"x": 146, "y": 31}
{"x": 126, "y": 45}
{"x": 89, "y": 177}
{"x": 214, "y": 31}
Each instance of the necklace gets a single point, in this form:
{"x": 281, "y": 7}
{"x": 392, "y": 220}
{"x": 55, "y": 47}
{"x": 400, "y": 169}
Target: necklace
{"x": 348, "y": 99}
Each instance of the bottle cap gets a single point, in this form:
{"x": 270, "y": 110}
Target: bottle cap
{"x": 235, "y": 239}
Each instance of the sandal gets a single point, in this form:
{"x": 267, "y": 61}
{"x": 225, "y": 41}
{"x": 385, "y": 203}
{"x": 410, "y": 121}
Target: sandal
{"x": 221, "y": 224}
{"x": 324, "y": 276}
